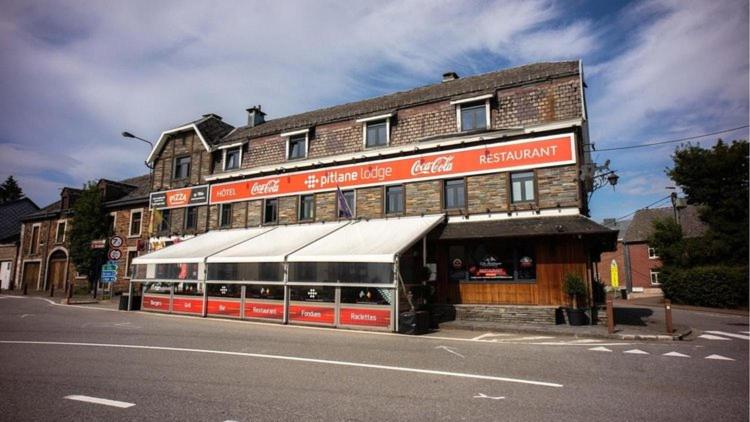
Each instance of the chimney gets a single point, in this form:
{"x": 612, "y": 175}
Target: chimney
{"x": 215, "y": 116}
{"x": 450, "y": 76}
{"x": 255, "y": 116}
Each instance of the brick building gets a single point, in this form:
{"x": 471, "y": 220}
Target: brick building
{"x": 499, "y": 158}
{"x": 44, "y": 259}
{"x": 11, "y": 213}
{"x": 638, "y": 263}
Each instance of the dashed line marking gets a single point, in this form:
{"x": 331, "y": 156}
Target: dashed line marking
{"x": 723, "y": 333}
{"x": 718, "y": 357}
{"x": 713, "y": 337}
{"x": 636, "y": 352}
{"x": 484, "y": 396}
{"x": 676, "y": 355}
{"x": 600, "y": 349}
{"x": 483, "y": 336}
{"x": 98, "y": 400}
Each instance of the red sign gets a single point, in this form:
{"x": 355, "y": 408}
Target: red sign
{"x": 513, "y": 155}
{"x": 156, "y": 303}
{"x": 264, "y": 310}
{"x": 366, "y": 317}
{"x": 187, "y": 305}
{"x": 316, "y": 314}
{"x": 223, "y": 307}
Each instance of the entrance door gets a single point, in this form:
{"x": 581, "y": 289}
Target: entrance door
{"x": 5, "y": 275}
{"x": 56, "y": 270}
{"x": 31, "y": 274}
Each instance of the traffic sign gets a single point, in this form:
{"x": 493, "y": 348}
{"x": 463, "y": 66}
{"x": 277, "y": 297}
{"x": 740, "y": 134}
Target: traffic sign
{"x": 109, "y": 272}
{"x": 114, "y": 254}
{"x": 115, "y": 241}
{"x": 98, "y": 244}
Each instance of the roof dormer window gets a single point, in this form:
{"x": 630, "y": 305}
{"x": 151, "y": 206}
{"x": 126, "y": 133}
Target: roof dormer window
{"x": 376, "y": 130}
{"x": 297, "y": 144}
{"x": 473, "y": 113}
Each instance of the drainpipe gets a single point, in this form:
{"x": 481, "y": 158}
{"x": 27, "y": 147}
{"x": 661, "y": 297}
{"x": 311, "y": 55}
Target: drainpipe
{"x": 628, "y": 275}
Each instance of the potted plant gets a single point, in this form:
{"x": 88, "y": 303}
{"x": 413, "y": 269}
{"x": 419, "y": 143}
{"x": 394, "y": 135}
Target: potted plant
{"x": 575, "y": 287}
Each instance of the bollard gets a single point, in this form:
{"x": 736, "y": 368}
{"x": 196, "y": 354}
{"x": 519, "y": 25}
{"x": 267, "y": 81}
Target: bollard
{"x": 668, "y": 315}
{"x": 52, "y": 290}
{"x": 25, "y": 289}
{"x": 610, "y": 316}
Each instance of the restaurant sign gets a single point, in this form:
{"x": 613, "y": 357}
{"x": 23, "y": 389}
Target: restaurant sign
{"x": 175, "y": 198}
{"x": 504, "y": 156}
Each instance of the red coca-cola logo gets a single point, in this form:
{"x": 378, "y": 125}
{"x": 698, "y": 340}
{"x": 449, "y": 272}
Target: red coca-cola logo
{"x": 438, "y": 165}
{"x": 271, "y": 186}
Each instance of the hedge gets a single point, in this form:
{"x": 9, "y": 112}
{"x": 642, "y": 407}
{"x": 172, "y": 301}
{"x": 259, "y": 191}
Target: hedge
{"x": 711, "y": 286}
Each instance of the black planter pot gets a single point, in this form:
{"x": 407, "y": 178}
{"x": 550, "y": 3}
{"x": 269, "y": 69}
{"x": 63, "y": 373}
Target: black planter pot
{"x": 576, "y": 316}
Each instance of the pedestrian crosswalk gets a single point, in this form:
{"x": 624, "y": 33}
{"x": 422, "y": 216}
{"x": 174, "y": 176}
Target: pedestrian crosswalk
{"x": 725, "y": 336}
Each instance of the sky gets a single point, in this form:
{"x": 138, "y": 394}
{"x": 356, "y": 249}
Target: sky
{"x": 75, "y": 74}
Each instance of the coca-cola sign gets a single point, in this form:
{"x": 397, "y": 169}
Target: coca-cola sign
{"x": 491, "y": 158}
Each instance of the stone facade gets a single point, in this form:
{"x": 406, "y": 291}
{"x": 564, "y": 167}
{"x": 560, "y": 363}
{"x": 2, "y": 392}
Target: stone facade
{"x": 507, "y": 314}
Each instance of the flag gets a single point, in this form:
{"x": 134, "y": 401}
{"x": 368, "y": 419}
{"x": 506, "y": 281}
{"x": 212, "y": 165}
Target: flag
{"x": 345, "y": 210}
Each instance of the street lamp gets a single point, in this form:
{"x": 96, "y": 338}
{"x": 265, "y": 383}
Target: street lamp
{"x": 127, "y": 134}
{"x": 596, "y": 177}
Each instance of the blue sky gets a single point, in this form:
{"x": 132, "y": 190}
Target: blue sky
{"x": 75, "y": 74}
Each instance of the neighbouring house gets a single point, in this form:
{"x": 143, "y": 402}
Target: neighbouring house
{"x": 11, "y": 214}
{"x": 44, "y": 260}
{"x": 475, "y": 188}
{"x": 613, "y": 261}
{"x": 638, "y": 263}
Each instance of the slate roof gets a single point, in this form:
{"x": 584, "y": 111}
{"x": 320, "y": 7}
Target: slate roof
{"x": 620, "y": 226}
{"x": 462, "y": 87}
{"x": 525, "y": 227}
{"x": 642, "y": 226}
{"x": 213, "y": 128}
{"x": 11, "y": 214}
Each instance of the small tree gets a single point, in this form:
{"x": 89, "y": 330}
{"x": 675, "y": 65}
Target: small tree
{"x": 89, "y": 224}
{"x": 10, "y": 191}
{"x": 574, "y": 287}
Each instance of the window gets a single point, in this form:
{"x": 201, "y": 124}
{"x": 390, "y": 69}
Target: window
{"x": 191, "y": 218}
{"x": 522, "y": 186}
{"x": 297, "y": 147}
{"x": 271, "y": 211}
{"x": 135, "y": 222}
{"x": 473, "y": 116}
{"x": 129, "y": 267}
{"x": 376, "y": 133}
{"x": 60, "y": 234}
{"x": 349, "y": 197}
{"x": 112, "y": 222}
{"x": 394, "y": 199}
{"x": 225, "y": 215}
{"x": 454, "y": 194}
{"x": 181, "y": 167}
{"x": 654, "y": 277}
{"x": 652, "y": 253}
{"x": 490, "y": 261}
{"x": 306, "y": 207}
{"x": 232, "y": 157}
{"x": 165, "y": 221}
{"x": 34, "y": 239}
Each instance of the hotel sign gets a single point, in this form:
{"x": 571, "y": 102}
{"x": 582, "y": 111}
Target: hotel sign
{"x": 175, "y": 198}
{"x": 504, "y": 156}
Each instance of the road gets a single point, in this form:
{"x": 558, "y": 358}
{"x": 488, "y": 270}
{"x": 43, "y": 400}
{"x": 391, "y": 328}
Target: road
{"x": 64, "y": 363}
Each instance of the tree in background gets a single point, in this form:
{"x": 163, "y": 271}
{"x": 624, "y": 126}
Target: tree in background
{"x": 10, "y": 191}
{"x": 716, "y": 179}
{"x": 89, "y": 223}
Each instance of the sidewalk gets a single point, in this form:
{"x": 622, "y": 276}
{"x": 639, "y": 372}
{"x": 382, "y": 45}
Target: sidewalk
{"x": 60, "y": 298}
{"x": 658, "y": 301}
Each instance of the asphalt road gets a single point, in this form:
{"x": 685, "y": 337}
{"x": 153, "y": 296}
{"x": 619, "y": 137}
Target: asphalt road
{"x": 184, "y": 368}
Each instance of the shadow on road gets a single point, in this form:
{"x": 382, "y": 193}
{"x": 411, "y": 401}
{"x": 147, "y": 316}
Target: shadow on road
{"x": 632, "y": 316}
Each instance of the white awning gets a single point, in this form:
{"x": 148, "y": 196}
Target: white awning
{"x": 275, "y": 245}
{"x": 199, "y": 247}
{"x": 368, "y": 240}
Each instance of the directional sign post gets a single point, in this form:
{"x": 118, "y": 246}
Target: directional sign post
{"x": 109, "y": 272}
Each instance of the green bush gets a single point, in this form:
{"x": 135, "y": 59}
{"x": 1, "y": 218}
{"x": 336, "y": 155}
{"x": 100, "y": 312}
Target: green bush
{"x": 713, "y": 286}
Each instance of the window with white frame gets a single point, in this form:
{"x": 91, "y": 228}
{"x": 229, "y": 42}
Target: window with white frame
{"x": 522, "y": 186}
{"x": 60, "y": 232}
{"x": 473, "y": 113}
{"x": 652, "y": 253}
{"x": 296, "y": 144}
{"x": 232, "y": 158}
{"x": 454, "y": 193}
{"x": 654, "y": 277}
{"x": 394, "y": 199}
{"x": 136, "y": 218}
{"x": 376, "y": 130}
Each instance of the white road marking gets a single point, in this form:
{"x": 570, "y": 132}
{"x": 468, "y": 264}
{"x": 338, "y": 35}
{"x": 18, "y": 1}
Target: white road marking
{"x": 483, "y": 336}
{"x": 449, "y": 350}
{"x": 745, "y": 332}
{"x": 531, "y": 338}
{"x": 586, "y": 340}
{"x": 97, "y": 400}
{"x": 484, "y": 396}
{"x": 636, "y": 352}
{"x": 293, "y": 359}
{"x": 722, "y": 333}
{"x": 718, "y": 357}
{"x": 600, "y": 349}
{"x": 676, "y": 355}
{"x": 713, "y": 337}
{"x": 25, "y": 315}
